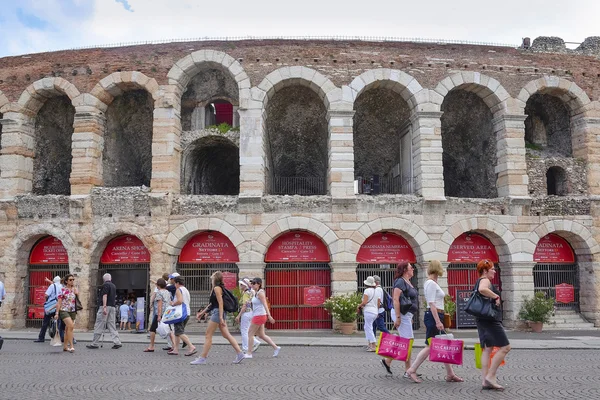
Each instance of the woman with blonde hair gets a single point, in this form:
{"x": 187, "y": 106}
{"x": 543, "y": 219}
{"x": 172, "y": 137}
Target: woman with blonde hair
{"x": 67, "y": 310}
{"x": 433, "y": 319}
{"x": 218, "y": 319}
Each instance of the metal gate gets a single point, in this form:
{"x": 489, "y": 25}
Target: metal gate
{"x": 36, "y": 283}
{"x": 197, "y": 281}
{"x": 547, "y": 276}
{"x": 128, "y": 278}
{"x": 386, "y": 273}
{"x": 285, "y": 290}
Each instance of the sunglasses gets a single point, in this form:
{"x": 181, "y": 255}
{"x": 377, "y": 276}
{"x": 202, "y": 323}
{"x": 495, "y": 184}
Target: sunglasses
{"x": 70, "y": 279}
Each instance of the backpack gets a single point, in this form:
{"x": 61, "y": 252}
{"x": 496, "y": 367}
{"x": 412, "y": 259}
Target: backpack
{"x": 230, "y": 303}
{"x": 388, "y": 302}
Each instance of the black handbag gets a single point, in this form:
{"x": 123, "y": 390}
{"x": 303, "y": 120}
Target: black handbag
{"x": 52, "y": 328}
{"x": 405, "y": 301}
{"x": 480, "y": 306}
{"x": 78, "y": 305}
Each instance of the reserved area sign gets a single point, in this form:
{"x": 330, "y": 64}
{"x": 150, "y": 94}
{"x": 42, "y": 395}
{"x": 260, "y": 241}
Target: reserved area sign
{"x": 472, "y": 248}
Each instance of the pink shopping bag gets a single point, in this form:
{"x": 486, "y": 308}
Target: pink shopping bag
{"x": 393, "y": 346}
{"x": 448, "y": 351}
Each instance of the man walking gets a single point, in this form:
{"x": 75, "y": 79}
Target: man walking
{"x": 380, "y": 320}
{"x": 51, "y": 294}
{"x": 105, "y": 318}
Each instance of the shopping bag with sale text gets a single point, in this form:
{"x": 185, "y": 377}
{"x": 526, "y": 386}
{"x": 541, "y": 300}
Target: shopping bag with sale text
{"x": 447, "y": 351}
{"x": 393, "y": 346}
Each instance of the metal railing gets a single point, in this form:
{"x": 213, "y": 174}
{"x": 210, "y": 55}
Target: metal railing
{"x": 547, "y": 276}
{"x": 300, "y": 185}
{"x": 36, "y": 282}
{"x": 385, "y": 185}
{"x": 198, "y": 283}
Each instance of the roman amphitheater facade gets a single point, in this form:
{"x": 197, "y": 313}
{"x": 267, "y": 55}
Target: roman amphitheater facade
{"x": 338, "y": 139}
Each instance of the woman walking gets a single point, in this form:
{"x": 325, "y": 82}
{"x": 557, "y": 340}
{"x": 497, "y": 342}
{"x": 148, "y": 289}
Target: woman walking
{"x": 161, "y": 300}
{"x": 218, "y": 318}
{"x": 434, "y": 296}
{"x": 491, "y": 332}
{"x": 67, "y": 310}
{"x": 370, "y": 309}
{"x": 260, "y": 314}
{"x": 244, "y": 318}
{"x": 403, "y": 322}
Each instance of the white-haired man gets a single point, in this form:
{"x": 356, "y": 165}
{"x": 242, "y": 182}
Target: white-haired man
{"x": 106, "y": 315}
{"x": 51, "y": 294}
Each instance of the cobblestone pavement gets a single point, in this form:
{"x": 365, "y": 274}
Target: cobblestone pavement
{"x": 37, "y": 371}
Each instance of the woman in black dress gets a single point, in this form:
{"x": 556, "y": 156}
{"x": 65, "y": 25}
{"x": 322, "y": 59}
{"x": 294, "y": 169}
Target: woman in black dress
{"x": 491, "y": 332}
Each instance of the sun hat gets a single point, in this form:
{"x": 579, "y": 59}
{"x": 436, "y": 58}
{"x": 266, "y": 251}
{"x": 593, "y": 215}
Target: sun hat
{"x": 256, "y": 280}
{"x": 56, "y": 279}
{"x": 245, "y": 282}
{"x": 174, "y": 275}
{"x": 377, "y": 278}
{"x": 370, "y": 281}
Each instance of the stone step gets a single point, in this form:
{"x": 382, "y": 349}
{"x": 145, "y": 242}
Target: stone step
{"x": 586, "y": 326}
{"x": 568, "y": 319}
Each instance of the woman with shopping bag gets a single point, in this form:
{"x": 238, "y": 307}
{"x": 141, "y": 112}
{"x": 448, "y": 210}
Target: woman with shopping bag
{"x": 161, "y": 300}
{"x": 434, "y": 296}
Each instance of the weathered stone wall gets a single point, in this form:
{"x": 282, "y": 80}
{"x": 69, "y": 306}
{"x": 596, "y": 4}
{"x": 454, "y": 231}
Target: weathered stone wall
{"x": 548, "y": 124}
{"x": 538, "y": 163}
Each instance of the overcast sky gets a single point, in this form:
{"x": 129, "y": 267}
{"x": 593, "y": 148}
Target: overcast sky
{"x": 31, "y": 26}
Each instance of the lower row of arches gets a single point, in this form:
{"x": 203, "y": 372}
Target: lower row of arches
{"x": 297, "y": 272}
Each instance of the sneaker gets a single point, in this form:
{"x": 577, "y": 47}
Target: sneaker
{"x": 256, "y": 345}
{"x": 239, "y": 358}
{"x": 248, "y": 356}
{"x": 276, "y": 352}
{"x": 92, "y": 347}
{"x": 199, "y": 361}
{"x": 39, "y": 340}
{"x": 117, "y": 346}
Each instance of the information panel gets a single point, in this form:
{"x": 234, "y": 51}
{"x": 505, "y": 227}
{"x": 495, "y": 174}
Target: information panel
{"x": 472, "y": 248}
{"x": 125, "y": 250}
{"x": 297, "y": 246}
{"x": 209, "y": 247}
{"x": 385, "y": 248}
{"x": 49, "y": 250}
{"x": 553, "y": 249}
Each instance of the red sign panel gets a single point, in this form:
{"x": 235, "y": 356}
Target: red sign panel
{"x": 565, "y": 293}
{"x": 49, "y": 250}
{"x": 39, "y": 296}
{"x": 314, "y": 296}
{"x": 209, "y": 247}
{"x": 385, "y": 248}
{"x": 472, "y": 248}
{"x": 125, "y": 250}
{"x": 230, "y": 280}
{"x": 297, "y": 246}
{"x": 553, "y": 249}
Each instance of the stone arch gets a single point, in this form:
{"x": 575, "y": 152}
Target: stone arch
{"x": 281, "y": 226}
{"x": 566, "y": 90}
{"x": 507, "y": 246}
{"x": 577, "y": 234}
{"x": 489, "y": 89}
{"x": 36, "y": 94}
{"x": 303, "y": 76}
{"x": 422, "y": 245}
{"x": 116, "y": 83}
{"x": 400, "y": 82}
{"x": 184, "y": 70}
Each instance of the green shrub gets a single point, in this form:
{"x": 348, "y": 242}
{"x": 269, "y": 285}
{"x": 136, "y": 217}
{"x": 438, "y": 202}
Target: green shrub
{"x": 343, "y": 307}
{"x": 537, "y": 309}
{"x": 449, "y": 305}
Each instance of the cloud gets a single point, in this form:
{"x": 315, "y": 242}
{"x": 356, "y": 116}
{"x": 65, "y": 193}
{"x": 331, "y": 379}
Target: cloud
{"x": 31, "y": 21}
{"x": 125, "y": 5}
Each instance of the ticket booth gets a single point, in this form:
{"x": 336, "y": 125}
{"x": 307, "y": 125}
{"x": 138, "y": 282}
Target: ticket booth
{"x": 298, "y": 280}
{"x": 379, "y": 255}
{"x": 556, "y": 272}
{"x": 200, "y": 257}
{"x": 464, "y": 254}
{"x": 127, "y": 260}
{"x": 47, "y": 259}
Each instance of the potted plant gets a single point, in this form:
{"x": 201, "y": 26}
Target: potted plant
{"x": 449, "y": 310}
{"x": 537, "y": 310}
{"x": 343, "y": 309}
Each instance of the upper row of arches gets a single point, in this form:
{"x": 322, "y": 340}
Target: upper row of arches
{"x": 131, "y": 149}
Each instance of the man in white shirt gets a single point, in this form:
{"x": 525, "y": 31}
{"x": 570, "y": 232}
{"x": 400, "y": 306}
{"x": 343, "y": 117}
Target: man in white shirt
{"x": 51, "y": 293}
{"x": 380, "y": 321}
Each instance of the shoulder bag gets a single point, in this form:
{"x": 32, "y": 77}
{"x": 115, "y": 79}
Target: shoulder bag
{"x": 405, "y": 301}
{"x": 480, "y": 306}
{"x": 78, "y": 306}
{"x": 50, "y": 304}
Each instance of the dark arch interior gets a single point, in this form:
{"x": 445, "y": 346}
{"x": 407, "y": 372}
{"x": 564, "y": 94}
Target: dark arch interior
{"x": 127, "y": 155}
{"x": 53, "y": 132}
{"x": 297, "y": 142}
{"x": 556, "y": 181}
{"x": 469, "y": 146}
{"x": 548, "y": 124}
{"x": 212, "y": 166}
{"x": 378, "y": 122}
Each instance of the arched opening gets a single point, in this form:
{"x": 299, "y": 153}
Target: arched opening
{"x": 211, "y": 166}
{"x": 379, "y": 255}
{"x": 298, "y": 280}
{"x": 211, "y": 98}
{"x": 556, "y": 182}
{"x": 469, "y": 146}
{"x": 556, "y": 272}
{"x": 127, "y": 154}
{"x": 297, "y": 142}
{"x": 53, "y": 133}
{"x": 464, "y": 254}
{"x": 48, "y": 258}
{"x": 548, "y": 125}
{"x": 127, "y": 259}
{"x": 382, "y": 143}
{"x": 201, "y": 256}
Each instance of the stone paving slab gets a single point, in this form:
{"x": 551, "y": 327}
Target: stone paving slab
{"x": 39, "y": 372}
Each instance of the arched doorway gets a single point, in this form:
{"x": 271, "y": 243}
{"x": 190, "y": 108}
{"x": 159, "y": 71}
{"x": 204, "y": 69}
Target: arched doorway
{"x": 379, "y": 255}
{"x": 202, "y": 255}
{"x": 556, "y": 272}
{"x": 127, "y": 259}
{"x": 48, "y": 258}
{"x": 464, "y": 254}
{"x": 298, "y": 279}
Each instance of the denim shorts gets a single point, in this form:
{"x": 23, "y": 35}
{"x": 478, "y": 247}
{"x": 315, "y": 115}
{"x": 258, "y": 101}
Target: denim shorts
{"x": 214, "y": 315}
